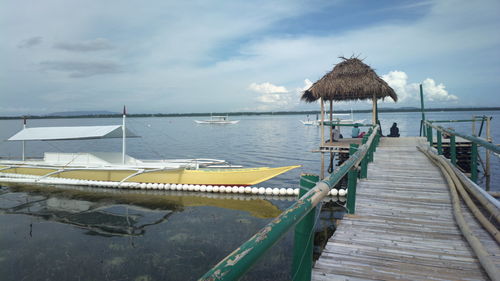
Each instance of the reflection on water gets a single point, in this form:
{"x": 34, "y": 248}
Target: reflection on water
{"x": 51, "y": 233}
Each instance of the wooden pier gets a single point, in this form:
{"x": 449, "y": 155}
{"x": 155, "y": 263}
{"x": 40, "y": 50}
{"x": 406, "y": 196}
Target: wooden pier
{"x": 404, "y": 227}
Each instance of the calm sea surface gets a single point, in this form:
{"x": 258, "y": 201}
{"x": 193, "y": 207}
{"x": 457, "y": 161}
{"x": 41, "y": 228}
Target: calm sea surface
{"x": 80, "y": 234}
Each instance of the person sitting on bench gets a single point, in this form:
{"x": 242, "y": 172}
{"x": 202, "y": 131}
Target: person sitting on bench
{"x": 394, "y": 131}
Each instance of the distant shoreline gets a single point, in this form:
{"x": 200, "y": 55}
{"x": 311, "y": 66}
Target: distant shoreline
{"x": 117, "y": 115}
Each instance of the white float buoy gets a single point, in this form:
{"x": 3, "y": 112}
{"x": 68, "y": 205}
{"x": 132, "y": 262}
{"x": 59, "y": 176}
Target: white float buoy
{"x": 248, "y": 189}
{"x": 196, "y": 188}
{"x": 209, "y": 188}
{"x": 203, "y": 188}
{"x": 276, "y": 191}
{"x": 334, "y": 192}
{"x": 295, "y": 191}
{"x": 282, "y": 191}
{"x": 143, "y": 185}
{"x": 262, "y": 190}
{"x": 215, "y": 188}
{"x": 255, "y": 190}
{"x": 269, "y": 191}
{"x": 241, "y": 190}
{"x": 222, "y": 189}
{"x": 342, "y": 192}
{"x": 289, "y": 191}
{"x": 154, "y": 185}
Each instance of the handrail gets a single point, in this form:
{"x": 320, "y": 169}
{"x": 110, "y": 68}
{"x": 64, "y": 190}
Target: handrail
{"x": 240, "y": 260}
{"x": 477, "y": 140}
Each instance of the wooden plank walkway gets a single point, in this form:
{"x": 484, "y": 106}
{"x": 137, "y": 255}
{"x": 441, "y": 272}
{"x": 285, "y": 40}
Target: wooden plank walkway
{"x": 403, "y": 228}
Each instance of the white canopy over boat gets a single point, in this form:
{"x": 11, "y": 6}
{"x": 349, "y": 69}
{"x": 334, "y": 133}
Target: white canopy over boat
{"x": 71, "y": 133}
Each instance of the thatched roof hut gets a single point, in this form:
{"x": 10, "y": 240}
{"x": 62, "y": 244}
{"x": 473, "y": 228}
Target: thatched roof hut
{"x": 349, "y": 80}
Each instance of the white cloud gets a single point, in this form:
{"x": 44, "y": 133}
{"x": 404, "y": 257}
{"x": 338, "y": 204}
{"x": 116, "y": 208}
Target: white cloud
{"x": 271, "y": 96}
{"x": 408, "y": 92}
{"x": 267, "y": 88}
{"x": 433, "y": 92}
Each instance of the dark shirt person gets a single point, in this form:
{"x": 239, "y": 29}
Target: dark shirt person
{"x": 394, "y": 131}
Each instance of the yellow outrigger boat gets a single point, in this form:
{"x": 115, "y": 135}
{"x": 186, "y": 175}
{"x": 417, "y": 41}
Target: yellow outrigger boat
{"x": 111, "y": 167}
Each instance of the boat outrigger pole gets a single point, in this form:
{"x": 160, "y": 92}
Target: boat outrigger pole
{"x": 124, "y": 136}
{"x": 24, "y": 142}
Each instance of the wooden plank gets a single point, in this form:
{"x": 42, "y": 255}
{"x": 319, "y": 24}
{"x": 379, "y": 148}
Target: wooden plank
{"x": 403, "y": 228}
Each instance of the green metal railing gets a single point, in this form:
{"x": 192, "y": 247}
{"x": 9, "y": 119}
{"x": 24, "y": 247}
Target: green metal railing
{"x": 475, "y": 141}
{"x": 240, "y": 260}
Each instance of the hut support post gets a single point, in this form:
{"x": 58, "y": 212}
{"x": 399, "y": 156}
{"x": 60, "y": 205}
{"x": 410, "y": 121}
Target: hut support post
{"x": 473, "y": 162}
{"x": 322, "y": 121}
{"x": 488, "y": 139}
{"x": 453, "y": 150}
{"x": 322, "y": 172}
{"x": 304, "y": 238}
{"x": 352, "y": 178}
{"x": 331, "y": 121}
{"x": 374, "y": 110}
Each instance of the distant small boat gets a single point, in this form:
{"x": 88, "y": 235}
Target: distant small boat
{"x": 337, "y": 119}
{"x": 221, "y": 119}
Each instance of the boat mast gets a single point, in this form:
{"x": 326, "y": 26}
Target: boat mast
{"x": 123, "y": 135}
{"x": 24, "y": 143}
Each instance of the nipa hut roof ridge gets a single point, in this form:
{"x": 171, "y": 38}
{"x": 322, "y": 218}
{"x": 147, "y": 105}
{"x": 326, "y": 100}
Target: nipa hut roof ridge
{"x": 350, "y": 79}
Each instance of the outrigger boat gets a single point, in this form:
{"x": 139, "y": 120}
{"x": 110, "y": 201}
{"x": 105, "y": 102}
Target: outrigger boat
{"x": 113, "y": 167}
{"x": 224, "y": 119}
{"x": 338, "y": 118}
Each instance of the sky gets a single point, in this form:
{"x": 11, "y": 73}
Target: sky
{"x": 163, "y": 56}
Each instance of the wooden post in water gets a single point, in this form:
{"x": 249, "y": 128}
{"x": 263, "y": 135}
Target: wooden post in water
{"x": 474, "y": 125}
{"x": 488, "y": 139}
{"x": 453, "y": 150}
{"x": 352, "y": 178}
{"x": 473, "y": 162}
{"x": 304, "y": 239}
{"x": 429, "y": 135}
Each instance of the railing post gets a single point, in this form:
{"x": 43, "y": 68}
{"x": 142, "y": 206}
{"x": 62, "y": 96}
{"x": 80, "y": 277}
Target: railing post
{"x": 453, "y": 150}
{"x": 364, "y": 162}
{"x": 439, "y": 142}
{"x": 304, "y": 238}
{"x": 370, "y": 149}
{"x": 429, "y": 135}
{"x": 473, "y": 162}
{"x": 352, "y": 178}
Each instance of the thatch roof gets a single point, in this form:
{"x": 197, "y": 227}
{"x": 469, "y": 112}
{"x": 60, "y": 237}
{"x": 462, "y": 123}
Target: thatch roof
{"x": 349, "y": 80}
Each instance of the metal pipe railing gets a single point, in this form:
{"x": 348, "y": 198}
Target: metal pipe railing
{"x": 240, "y": 260}
{"x": 474, "y": 139}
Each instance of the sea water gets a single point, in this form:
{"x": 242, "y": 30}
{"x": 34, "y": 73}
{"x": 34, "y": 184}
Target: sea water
{"x": 81, "y": 234}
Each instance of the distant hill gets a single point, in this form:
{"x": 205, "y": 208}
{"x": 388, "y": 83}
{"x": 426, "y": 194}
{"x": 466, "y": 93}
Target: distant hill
{"x": 81, "y": 113}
